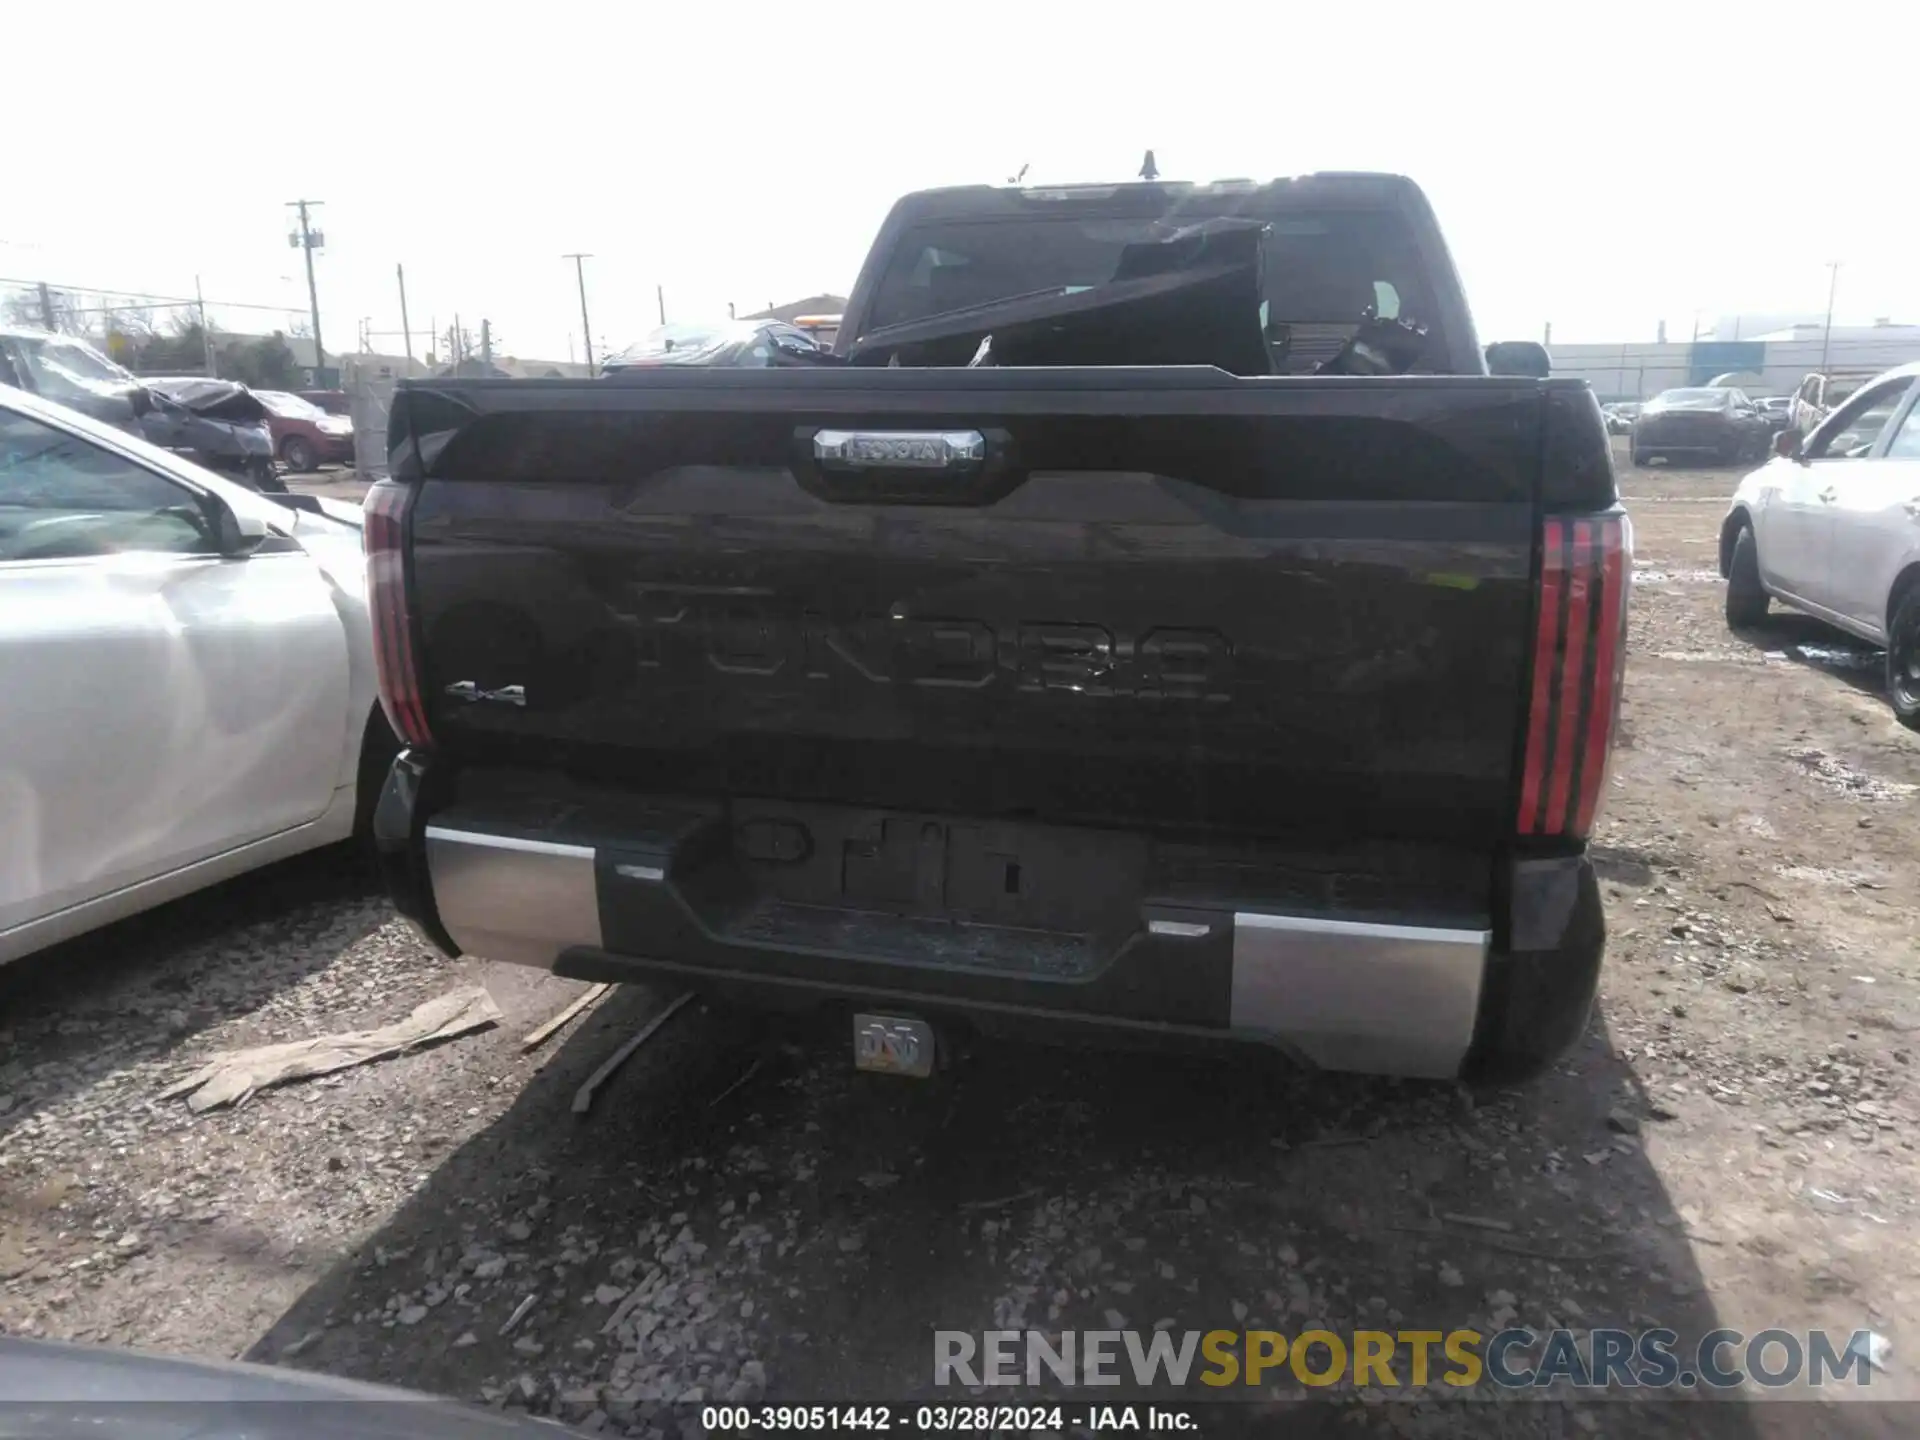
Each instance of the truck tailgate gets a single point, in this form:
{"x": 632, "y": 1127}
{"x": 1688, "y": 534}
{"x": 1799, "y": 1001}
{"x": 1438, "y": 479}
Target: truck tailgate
{"x": 1158, "y": 599}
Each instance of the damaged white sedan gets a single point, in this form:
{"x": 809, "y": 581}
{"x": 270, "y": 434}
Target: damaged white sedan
{"x": 188, "y": 676}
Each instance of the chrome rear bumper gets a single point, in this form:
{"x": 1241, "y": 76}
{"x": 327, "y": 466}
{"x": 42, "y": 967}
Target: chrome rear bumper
{"x": 1386, "y": 999}
{"x": 1340, "y": 994}
{"x": 504, "y": 898}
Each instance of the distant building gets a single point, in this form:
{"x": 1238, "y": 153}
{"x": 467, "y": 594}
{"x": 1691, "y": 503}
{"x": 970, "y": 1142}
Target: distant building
{"x": 812, "y": 305}
{"x": 1881, "y": 332}
{"x": 1781, "y": 359}
{"x": 370, "y": 368}
{"x": 1756, "y": 324}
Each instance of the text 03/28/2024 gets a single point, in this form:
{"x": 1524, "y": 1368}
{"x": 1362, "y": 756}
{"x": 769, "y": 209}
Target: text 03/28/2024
{"x": 943, "y": 1419}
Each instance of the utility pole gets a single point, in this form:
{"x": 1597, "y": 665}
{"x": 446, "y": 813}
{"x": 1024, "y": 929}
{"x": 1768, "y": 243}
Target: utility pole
{"x": 660, "y": 294}
{"x": 730, "y": 310}
{"x": 486, "y": 341}
{"x": 406, "y": 331}
{"x": 46, "y": 306}
{"x": 309, "y": 240}
{"x": 1826, "y": 331}
{"x": 206, "y": 334}
{"x": 580, "y": 277}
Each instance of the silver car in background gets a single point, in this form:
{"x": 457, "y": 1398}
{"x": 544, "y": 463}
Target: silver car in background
{"x": 1831, "y": 526}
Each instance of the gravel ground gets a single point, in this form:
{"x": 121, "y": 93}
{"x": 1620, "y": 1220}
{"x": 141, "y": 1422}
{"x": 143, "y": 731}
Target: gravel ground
{"x": 741, "y": 1215}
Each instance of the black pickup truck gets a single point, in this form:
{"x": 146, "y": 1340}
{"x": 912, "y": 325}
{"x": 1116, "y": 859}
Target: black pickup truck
{"x": 1153, "y": 623}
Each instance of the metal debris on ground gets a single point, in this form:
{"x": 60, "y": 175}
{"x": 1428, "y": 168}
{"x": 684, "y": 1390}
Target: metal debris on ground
{"x": 745, "y": 1076}
{"x": 519, "y": 1314}
{"x": 547, "y": 1029}
{"x": 229, "y": 1078}
{"x": 583, "y": 1097}
{"x": 1013, "y": 1199}
{"x": 1477, "y": 1222}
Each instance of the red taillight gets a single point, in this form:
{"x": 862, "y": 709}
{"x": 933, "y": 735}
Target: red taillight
{"x": 1579, "y": 655}
{"x": 385, "y": 531}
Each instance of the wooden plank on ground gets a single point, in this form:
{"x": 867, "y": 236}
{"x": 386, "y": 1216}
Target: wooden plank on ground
{"x": 545, "y": 1031}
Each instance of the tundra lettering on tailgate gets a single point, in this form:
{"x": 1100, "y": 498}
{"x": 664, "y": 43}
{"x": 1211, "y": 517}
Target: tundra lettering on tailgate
{"x": 746, "y": 639}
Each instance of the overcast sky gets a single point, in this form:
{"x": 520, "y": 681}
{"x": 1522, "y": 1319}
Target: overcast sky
{"x": 1601, "y": 168}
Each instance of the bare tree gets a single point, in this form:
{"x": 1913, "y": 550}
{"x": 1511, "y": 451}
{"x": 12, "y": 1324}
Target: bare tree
{"x": 139, "y": 321}
{"x": 27, "y": 308}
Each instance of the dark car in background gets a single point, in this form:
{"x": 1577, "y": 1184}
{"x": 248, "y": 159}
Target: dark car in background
{"x": 220, "y": 424}
{"x": 70, "y": 372}
{"x": 1714, "y": 423}
{"x": 305, "y": 436}
{"x": 729, "y": 344}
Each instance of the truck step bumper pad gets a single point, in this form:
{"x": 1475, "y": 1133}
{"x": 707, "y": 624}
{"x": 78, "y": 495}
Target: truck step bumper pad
{"x": 504, "y": 898}
{"x": 1347, "y": 995}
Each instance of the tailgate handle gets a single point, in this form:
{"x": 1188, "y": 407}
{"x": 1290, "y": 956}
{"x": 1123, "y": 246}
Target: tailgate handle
{"x": 899, "y": 449}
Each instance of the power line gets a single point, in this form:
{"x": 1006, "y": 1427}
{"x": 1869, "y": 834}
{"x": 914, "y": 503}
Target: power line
{"x": 142, "y": 297}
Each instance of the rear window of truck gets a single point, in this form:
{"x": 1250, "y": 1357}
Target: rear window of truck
{"x": 1322, "y": 270}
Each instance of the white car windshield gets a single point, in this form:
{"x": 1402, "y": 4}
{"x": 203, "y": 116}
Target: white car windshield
{"x": 56, "y": 362}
